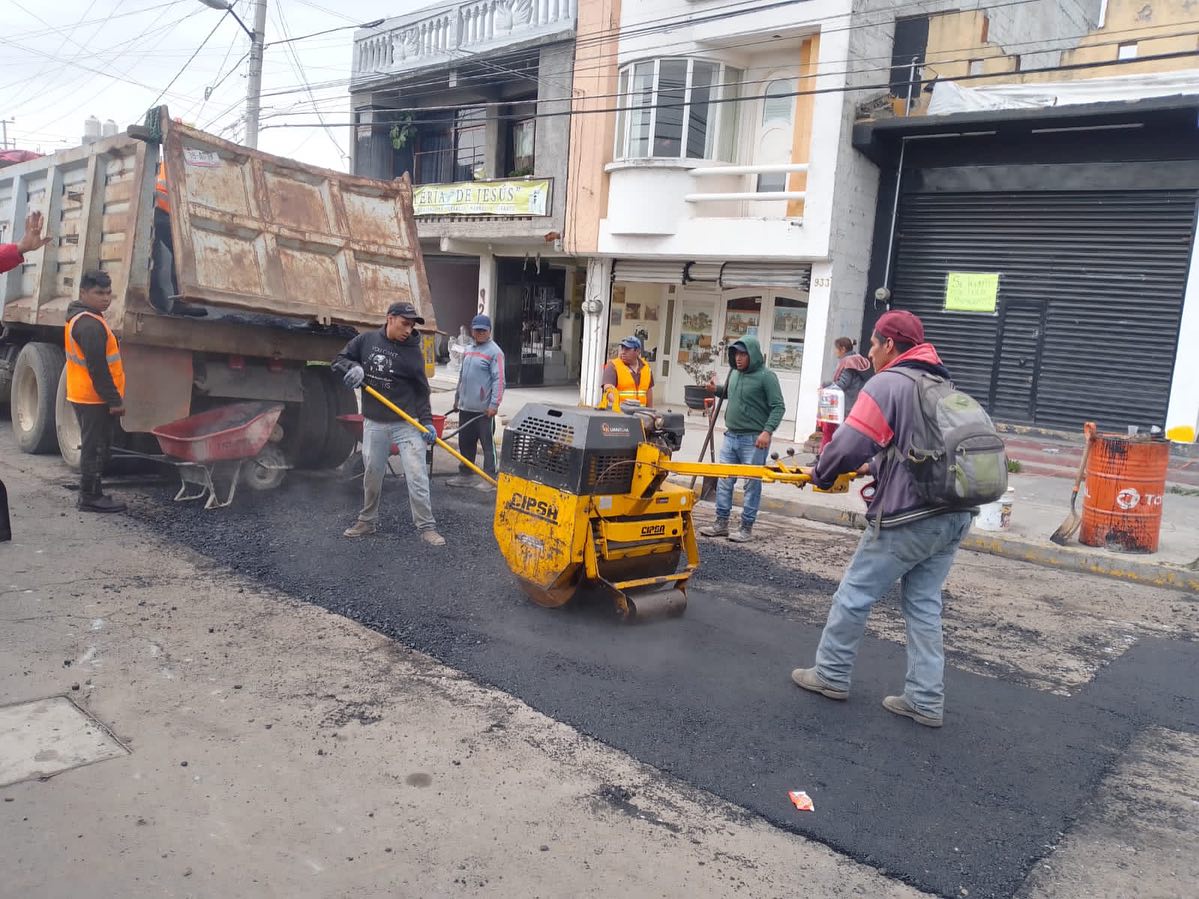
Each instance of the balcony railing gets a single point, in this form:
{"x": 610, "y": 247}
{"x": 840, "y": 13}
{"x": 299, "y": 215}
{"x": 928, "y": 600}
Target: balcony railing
{"x": 732, "y": 171}
{"x": 457, "y": 30}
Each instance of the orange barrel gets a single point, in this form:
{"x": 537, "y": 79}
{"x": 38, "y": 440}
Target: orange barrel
{"x": 1122, "y": 507}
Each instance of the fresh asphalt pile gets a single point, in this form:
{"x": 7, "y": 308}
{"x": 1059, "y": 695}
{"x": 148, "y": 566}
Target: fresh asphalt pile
{"x": 707, "y": 698}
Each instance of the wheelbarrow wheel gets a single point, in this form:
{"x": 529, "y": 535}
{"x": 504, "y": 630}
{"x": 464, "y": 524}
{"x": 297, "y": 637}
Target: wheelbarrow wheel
{"x": 266, "y": 470}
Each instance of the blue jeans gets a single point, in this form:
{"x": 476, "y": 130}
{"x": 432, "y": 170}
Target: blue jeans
{"x": 919, "y": 556}
{"x": 377, "y": 438}
{"x": 740, "y": 449}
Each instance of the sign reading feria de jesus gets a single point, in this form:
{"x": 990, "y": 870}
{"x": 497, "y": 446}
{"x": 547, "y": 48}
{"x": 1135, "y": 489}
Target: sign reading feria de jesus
{"x": 482, "y": 198}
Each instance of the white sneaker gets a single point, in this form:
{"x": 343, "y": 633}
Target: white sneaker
{"x": 432, "y": 538}
{"x": 460, "y": 480}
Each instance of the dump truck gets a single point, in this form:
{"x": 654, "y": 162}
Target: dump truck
{"x": 273, "y": 265}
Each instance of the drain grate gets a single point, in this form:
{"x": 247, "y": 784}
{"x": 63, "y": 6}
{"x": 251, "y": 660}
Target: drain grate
{"x": 49, "y": 736}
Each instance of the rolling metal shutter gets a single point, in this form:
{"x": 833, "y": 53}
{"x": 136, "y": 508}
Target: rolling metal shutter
{"x": 1090, "y": 298}
{"x": 653, "y": 271}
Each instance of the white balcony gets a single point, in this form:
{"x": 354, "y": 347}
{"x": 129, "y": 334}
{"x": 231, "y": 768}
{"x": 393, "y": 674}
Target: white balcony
{"x": 694, "y": 207}
{"x": 454, "y": 32}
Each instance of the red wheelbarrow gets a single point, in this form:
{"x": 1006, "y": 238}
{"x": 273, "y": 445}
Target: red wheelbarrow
{"x": 211, "y": 450}
{"x": 353, "y": 424}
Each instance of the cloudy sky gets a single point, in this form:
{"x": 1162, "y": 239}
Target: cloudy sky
{"x": 65, "y": 60}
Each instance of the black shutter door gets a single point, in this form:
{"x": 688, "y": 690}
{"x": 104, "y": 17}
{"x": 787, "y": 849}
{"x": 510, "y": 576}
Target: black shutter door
{"x": 1108, "y": 269}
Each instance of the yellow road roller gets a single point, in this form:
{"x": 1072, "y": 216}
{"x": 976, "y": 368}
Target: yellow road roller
{"x": 583, "y": 502}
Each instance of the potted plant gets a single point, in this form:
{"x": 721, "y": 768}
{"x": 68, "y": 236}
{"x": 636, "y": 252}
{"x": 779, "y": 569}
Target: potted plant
{"x": 701, "y": 365}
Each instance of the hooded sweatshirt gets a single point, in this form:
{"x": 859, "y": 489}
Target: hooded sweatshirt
{"x": 481, "y": 381}
{"x": 754, "y": 400}
{"x": 884, "y": 414}
{"x": 396, "y": 369}
{"x": 852, "y": 372}
{"x": 93, "y": 340}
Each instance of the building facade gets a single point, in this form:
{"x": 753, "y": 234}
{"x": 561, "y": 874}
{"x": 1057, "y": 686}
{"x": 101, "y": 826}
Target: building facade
{"x": 730, "y": 200}
{"x": 1039, "y": 212}
{"x": 471, "y": 100}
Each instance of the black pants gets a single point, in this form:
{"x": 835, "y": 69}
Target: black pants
{"x": 162, "y": 269}
{"x": 479, "y": 431}
{"x": 95, "y": 427}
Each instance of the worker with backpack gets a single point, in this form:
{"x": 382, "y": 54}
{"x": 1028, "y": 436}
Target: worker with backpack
{"x": 935, "y": 457}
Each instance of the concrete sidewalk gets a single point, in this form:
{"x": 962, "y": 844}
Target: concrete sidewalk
{"x": 1042, "y": 502}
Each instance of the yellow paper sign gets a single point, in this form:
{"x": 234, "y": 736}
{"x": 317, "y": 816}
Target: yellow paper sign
{"x": 482, "y": 198}
{"x": 971, "y": 291}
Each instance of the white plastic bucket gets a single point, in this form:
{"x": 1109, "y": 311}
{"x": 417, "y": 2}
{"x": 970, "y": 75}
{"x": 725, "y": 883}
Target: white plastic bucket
{"x": 996, "y": 516}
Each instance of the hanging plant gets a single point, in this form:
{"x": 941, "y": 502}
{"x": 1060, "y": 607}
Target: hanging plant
{"x": 402, "y": 132}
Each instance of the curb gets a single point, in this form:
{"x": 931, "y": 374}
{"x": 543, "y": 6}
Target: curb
{"x": 1145, "y": 573}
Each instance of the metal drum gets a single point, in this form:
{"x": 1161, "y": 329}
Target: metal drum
{"x": 1122, "y": 507}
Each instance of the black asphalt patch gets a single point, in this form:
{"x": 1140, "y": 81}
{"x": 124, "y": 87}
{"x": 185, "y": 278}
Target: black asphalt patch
{"x": 708, "y": 697}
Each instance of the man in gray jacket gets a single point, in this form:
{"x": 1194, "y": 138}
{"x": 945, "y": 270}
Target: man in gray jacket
{"x": 906, "y": 540}
{"x": 480, "y": 391}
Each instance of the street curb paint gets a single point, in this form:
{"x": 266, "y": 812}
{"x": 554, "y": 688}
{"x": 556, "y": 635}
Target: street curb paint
{"x": 1049, "y": 556}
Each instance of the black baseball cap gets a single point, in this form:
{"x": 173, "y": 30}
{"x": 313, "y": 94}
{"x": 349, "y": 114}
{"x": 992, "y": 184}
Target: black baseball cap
{"x": 405, "y": 310}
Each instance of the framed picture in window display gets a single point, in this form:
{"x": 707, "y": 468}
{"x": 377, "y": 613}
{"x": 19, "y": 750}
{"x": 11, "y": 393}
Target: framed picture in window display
{"x": 697, "y": 322}
{"x": 651, "y": 313}
{"x": 790, "y": 321}
{"x": 786, "y": 355}
{"x": 740, "y": 324}
{"x": 617, "y": 314}
{"x": 632, "y": 312}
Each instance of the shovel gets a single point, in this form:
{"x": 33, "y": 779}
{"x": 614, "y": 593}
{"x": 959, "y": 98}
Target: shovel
{"x": 709, "y": 485}
{"x": 1069, "y": 527}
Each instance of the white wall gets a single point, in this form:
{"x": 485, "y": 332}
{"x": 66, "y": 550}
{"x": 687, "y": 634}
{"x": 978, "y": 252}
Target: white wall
{"x": 1184, "y": 391}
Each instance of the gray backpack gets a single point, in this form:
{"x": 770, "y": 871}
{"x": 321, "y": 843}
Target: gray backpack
{"x": 956, "y": 458}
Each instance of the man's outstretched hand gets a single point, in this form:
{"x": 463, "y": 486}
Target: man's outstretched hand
{"x": 32, "y": 239}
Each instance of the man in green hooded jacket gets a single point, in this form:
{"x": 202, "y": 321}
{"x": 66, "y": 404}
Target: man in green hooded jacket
{"x": 754, "y": 408}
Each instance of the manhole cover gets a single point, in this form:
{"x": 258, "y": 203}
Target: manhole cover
{"x": 49, "y": 736}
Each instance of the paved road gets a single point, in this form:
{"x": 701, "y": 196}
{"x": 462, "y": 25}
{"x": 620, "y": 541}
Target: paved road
{"x": 964, "y": 810}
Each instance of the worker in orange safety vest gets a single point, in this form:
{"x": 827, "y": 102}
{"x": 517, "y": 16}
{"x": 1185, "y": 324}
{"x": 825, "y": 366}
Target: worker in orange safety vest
{"x": 95, "y": 386}
{"x": 627, "y": 377}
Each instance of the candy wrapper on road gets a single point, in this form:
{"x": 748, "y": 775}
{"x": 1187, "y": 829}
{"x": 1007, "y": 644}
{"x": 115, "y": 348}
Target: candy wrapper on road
{"x": 801, "y": 801}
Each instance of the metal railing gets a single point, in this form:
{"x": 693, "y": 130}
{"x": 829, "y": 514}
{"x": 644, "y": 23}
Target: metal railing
{"x": 746, "y": 170}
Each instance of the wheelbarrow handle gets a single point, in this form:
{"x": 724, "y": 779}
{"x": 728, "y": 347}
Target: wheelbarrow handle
{"x": 367, "y": 389}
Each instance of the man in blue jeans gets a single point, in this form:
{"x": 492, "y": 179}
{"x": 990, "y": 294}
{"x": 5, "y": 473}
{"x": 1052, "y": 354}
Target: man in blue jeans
{"x": 905, "y": 540}
{"x": 754, "y": 408}
{"x": 391, "y": 361}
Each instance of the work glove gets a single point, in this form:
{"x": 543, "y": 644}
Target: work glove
{"x": 429, "y": 435}
{"x": 354, "y": 377}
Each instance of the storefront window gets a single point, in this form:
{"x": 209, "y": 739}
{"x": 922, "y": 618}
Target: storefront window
{"x": 787, "y": 334}
{"x": 671, "y": 110}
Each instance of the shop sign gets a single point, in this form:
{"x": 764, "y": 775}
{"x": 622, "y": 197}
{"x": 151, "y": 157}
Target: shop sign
{"x": 971, "y": 291}
{"x": 528, "y": 197}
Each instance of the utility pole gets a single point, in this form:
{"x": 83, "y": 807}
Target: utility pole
{"x": 254, "y": 83}
{"x": 257, "y": 42}
{"x": 4, "y": 123}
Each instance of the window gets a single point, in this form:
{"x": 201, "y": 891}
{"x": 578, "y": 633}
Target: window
{"x": 778, "y": 101}
{"x": 911, "y": 42}
{"x": 523, "y": 133}
{"x": 671, "y": 109}
{"x": 452, "y": 149}
{"x": 1127, "y": 50}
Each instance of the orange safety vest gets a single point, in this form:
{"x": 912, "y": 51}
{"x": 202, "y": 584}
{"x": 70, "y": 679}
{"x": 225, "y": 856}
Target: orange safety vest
{"x": 162, "y": 199}
{"x": 626, "y": 387}
{"x": 79, "y": 383}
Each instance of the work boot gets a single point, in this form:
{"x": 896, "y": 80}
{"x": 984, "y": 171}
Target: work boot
{"x": 99, "y": 503}
{"x": 744, "y": 534}
{"x": 485, "y": 487}
{"x": 359, "y": 529}
{"x": 432, "y": 538}
{"x": 809, "y": 679}
{"x": 900, "y": 706}
{"x": 460, "y": 480}
{"x": 718, "y": 528}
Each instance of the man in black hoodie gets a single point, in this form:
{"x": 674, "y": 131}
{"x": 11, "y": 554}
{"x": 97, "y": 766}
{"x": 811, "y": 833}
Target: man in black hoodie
{"x": 391, "y": 361}
{"x": 95, "y": 385}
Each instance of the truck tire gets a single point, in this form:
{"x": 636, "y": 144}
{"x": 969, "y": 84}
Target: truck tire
{"x": 306, "y": 424}
{"x": 339, "y": 442}
{"x": 66, "y": 426}
{"x": 34, "y": 389}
